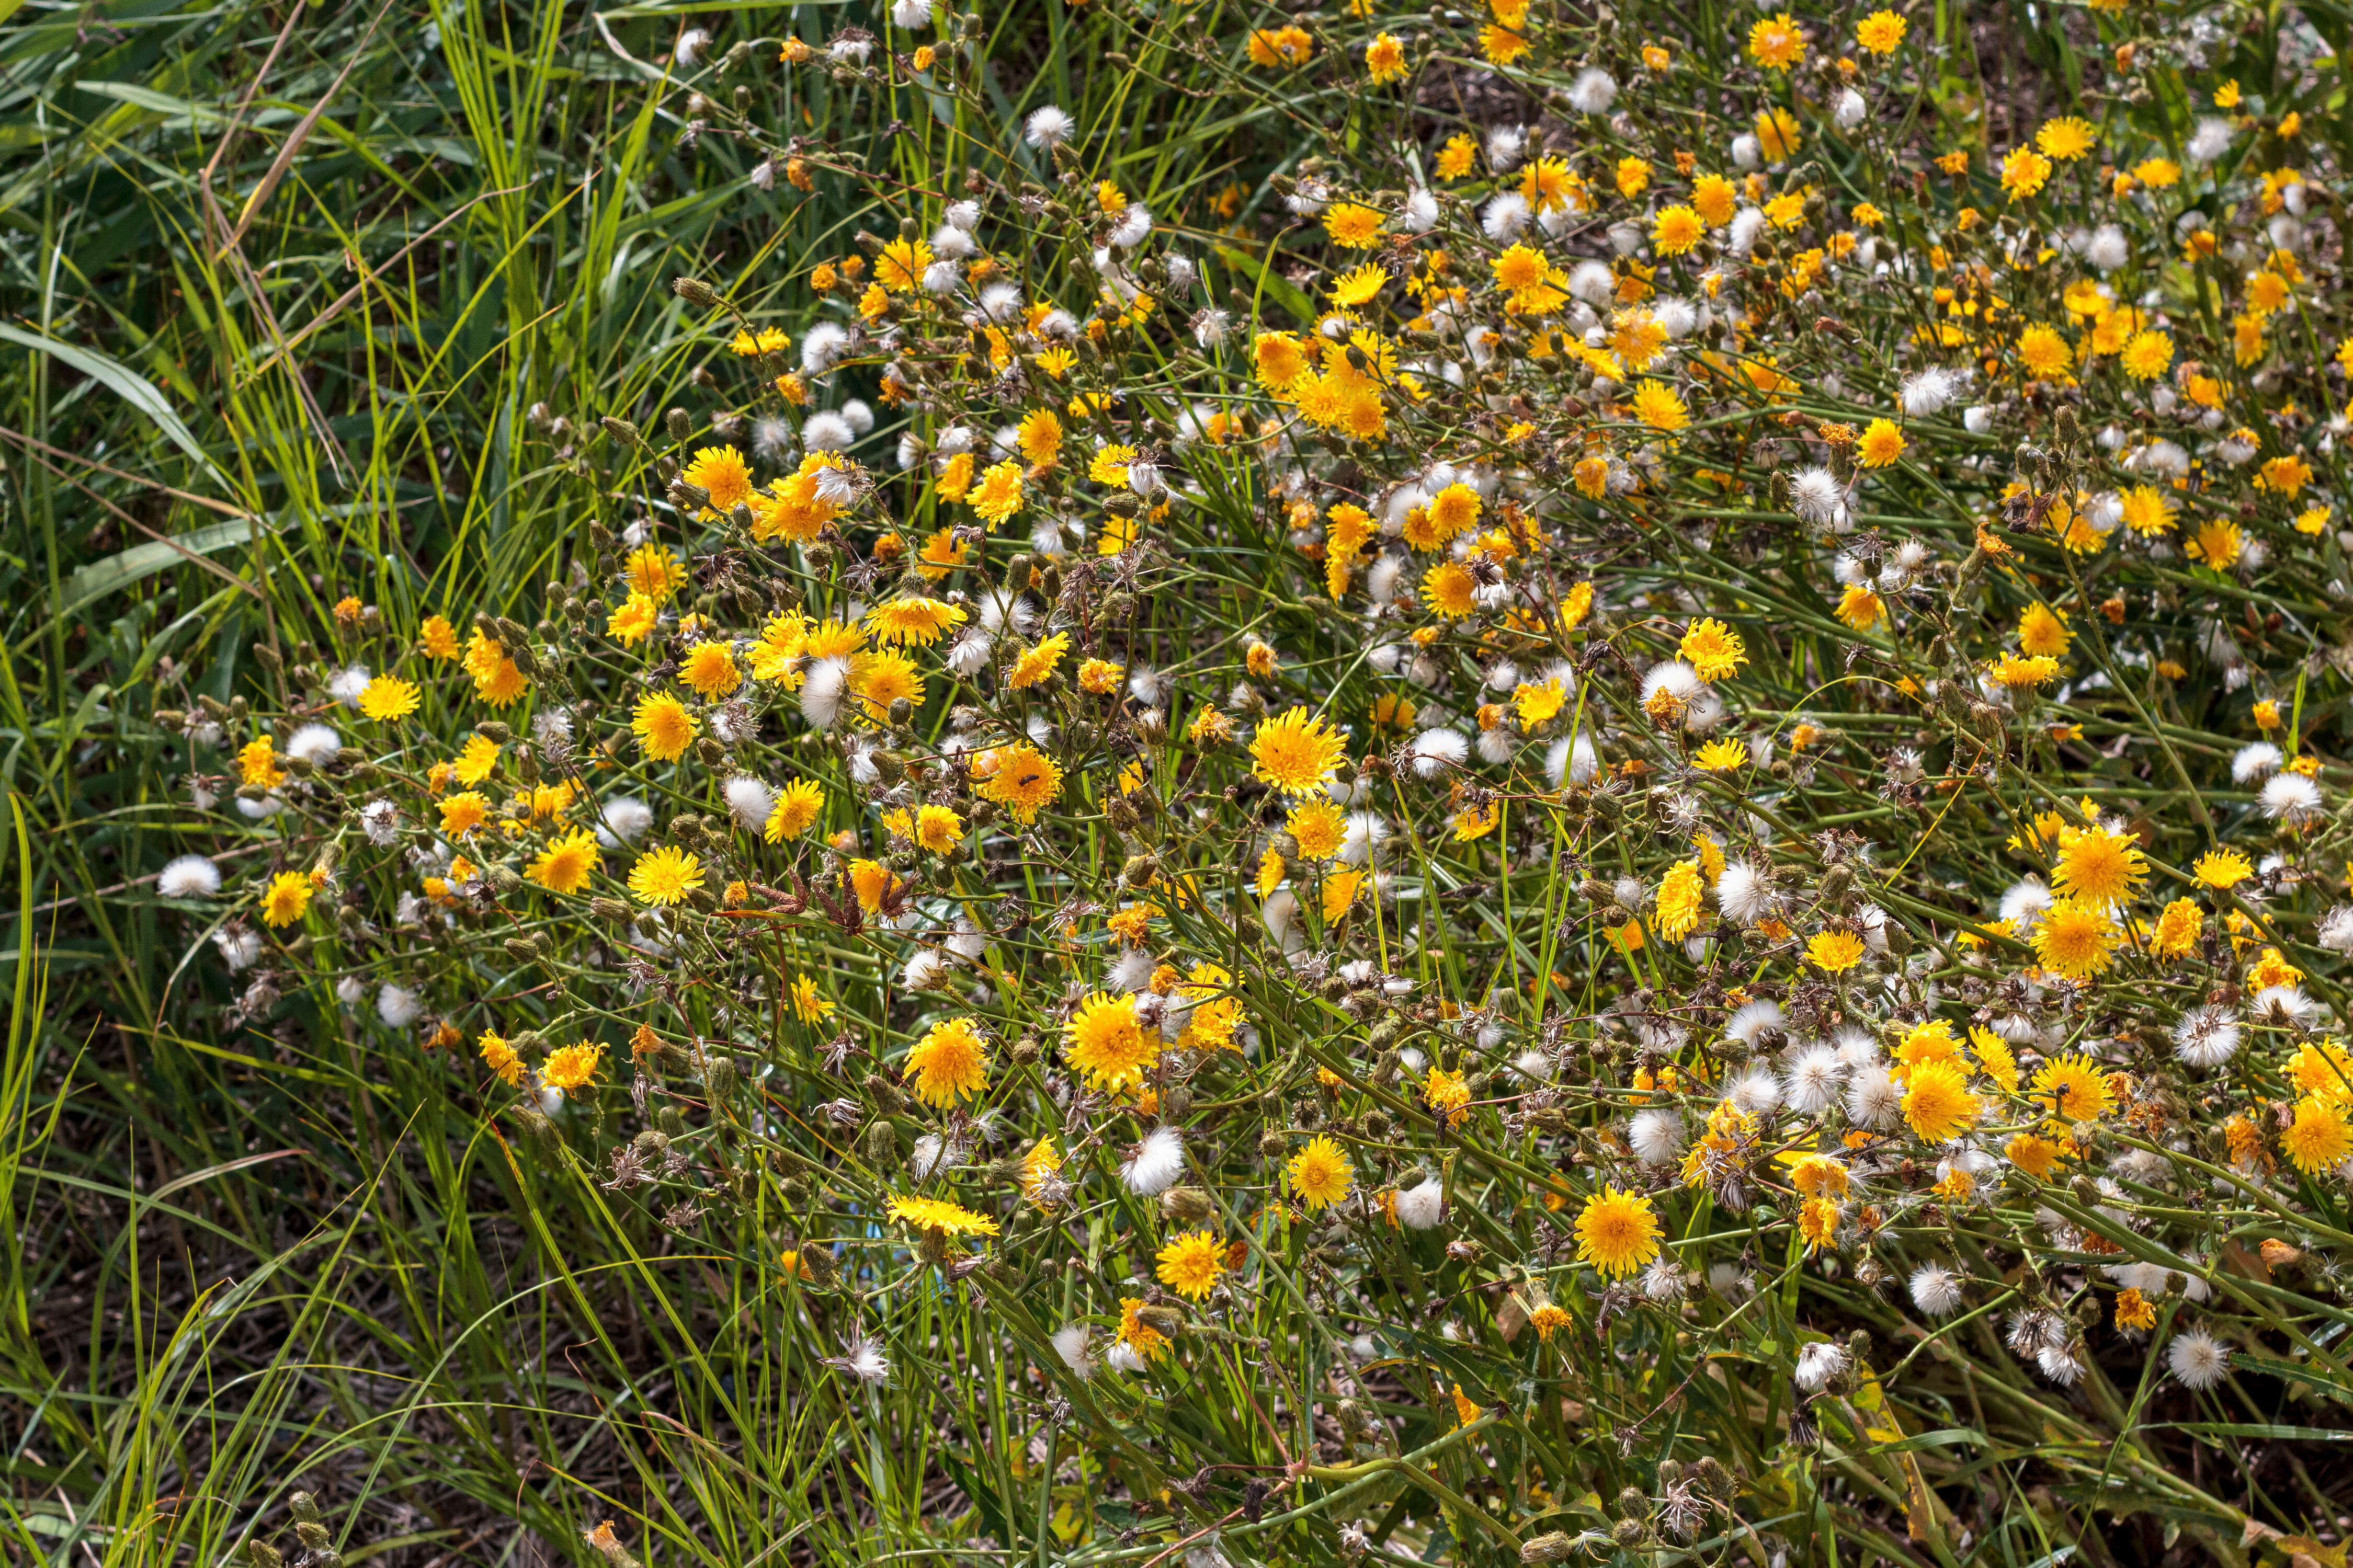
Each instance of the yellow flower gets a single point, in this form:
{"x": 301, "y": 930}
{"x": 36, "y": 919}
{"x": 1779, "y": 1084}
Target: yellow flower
{"x": 1617, "y": 1232}
{"x": 1352, "y": 224}
{"x": 464, "y": 813}
{"x": 2045, "y": 354}
{"x": 2065, "y": 138}
{"x": 1340, "y": 890}
{"x": 1023, "y": 779}
{"x": 1319, "y": 826}
{"x": 1275, "y": 46}
{"x": 1712, "y": 649}
{"x": 1834, "y": 951}
{"x": 1104, "y": 1042}
{"x": 1714, "y": 198}
{"x": 1473, "y": 821}
{"x": 1500, "y": 45}
{"x": 663, "y": 726}
{"x": 1820, "y": 1176}
{"x": 564, "y": 866}
{"x": 1539, "y": 702}
{"x": 873, "y": 883}
{"x": 1720, "y": 756}
{"x": 1859, "y": 607}
{"x": 1449, "y": 590}
{"x": 1938, "y": 1104}
{"x": 1676, "y": 230}
{"x": 1385, "y": 58}
{"x": 949, "y": 1063}
{"x": 1358, "y": 284}
{"x": 1777, "y": 135}
{"x": 796, "y": 809}
{"x": 810, "y": 1005}
{"x": 478, "y": 759}
{"x": 2177, "y": 929}
{"x": 1679, "y": 901}
{"x": 389, "y": 697}
{"x": 1037, "y": 1167}
{"x": 938, "y": 1214}
{"x": 2075, "y": 938}
{"x": 438, "y": 637}
{"x": 2043, "y": 630}
{"x": 1776, "y": 43}
{"x": 570, "y": 1067}
{"x": 286, "y": 899}
{"x": 1880, "y": 444}
{"x": 2217, "y": 543}
{"x": 1444, "y": 1092}
{"x": 2148, "y": 354}
{"x": 999, "y": 494}
{"x": 1320, "y": 1174}
{"x": 1881, "y": 33}
{"x": 2097, "y": 864}
{"x": 1190, "y": 1264}
{"x": 665, "y": 876}
{"x": 711, "y": 670}
{"x": 1295, "y": 752}
{"x": 1135, "y": 1333}
{"x": 723, "y": 471}
{"x": 2222, "y": 868}
{"x": 938, "y": 829}
{"x": 2318, "y": 1139}
{"x": 1037, "y": 666}
{"x": 499, "y": 1057}
{"x": 2024, "y": 173}
{"x": 1658, "y": 405}
{"x": 634, "y": 620}
{"x": 2074, "y": 1089}
{"x": 2011, "y": 670}
{"x": 914, "y": 620}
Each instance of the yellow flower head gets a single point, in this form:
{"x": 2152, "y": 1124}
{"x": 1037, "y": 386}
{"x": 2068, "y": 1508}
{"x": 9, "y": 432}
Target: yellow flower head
{"x": 1712, "y": 649}
{"x": 1617, "y": 1232}
{"x": 1320, "y": 1174}
{"x": 1105, "y": 1041}
{"x": 1191, "y": 1263}
{"x": 1296, "y": 752}
{"x": 286, "y": 899}
{"x": 949, "y": 1063}
{"x": 666, "y": 875}
{"x": 2074, "y": 1089}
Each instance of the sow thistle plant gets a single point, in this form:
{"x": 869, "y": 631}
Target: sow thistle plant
{"x": 1547, "y": 841}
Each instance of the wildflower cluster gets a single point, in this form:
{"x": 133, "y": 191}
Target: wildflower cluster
{"x": 1670, "y": 738}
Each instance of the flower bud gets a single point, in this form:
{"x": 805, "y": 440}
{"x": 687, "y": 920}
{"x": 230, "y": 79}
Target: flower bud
{"x": 1187, "y": 1205}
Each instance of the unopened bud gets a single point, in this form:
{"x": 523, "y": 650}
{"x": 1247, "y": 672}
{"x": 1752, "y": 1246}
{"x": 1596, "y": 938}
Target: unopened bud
{"x": 1161, "y": 1320}
{"x": 1188, "y": 1205}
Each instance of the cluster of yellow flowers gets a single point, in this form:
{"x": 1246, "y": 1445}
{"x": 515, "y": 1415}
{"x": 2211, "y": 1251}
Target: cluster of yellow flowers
{"x": 1698, "y": 725}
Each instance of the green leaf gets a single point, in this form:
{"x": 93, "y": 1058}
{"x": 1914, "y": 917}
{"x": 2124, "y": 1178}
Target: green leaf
{"x": 120, "y": 571}
{"x": 133, "y": 387}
